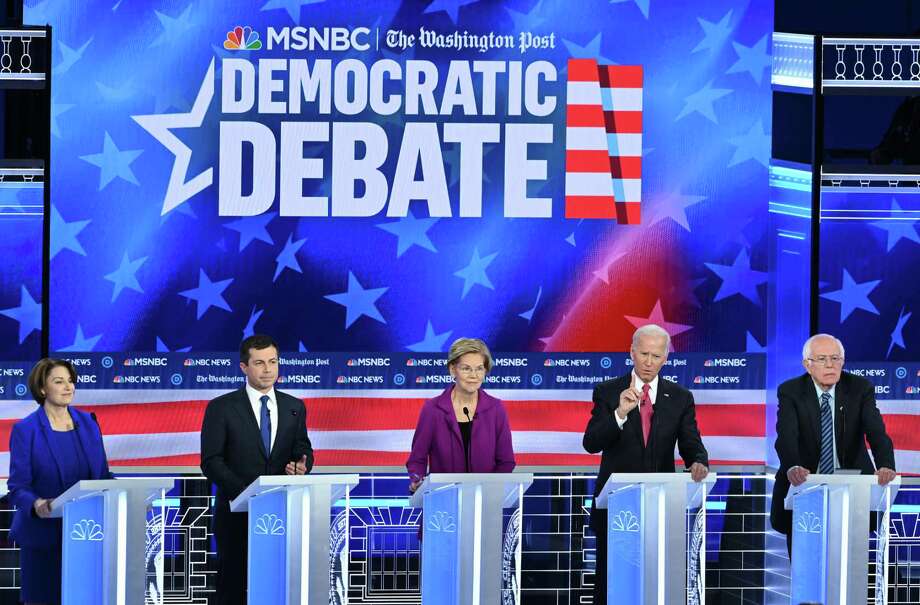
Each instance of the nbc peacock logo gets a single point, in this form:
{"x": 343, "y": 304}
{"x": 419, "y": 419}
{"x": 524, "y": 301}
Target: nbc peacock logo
{"x": 242, "y": 38}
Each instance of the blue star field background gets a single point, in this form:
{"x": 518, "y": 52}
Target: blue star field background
{"x": 868, "y": 290}
{"x": 123, "y": 277}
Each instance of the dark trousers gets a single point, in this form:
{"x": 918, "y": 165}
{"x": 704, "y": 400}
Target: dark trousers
{"x": 40, "y": 574}
{"x": 599, "y": 525}
{"x": 231, "y": 533}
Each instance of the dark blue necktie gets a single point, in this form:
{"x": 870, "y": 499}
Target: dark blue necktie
{"x": 265, "y": 421}
{"x": 826, "y": 465}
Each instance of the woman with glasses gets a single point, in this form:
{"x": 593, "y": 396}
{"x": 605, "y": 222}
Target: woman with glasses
{"x": 464, "y": 429}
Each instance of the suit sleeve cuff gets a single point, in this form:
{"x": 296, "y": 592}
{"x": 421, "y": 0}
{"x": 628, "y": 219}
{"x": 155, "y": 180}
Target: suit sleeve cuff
{"x": 619, "y": 422}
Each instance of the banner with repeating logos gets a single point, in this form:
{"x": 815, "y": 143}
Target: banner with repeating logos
{"x": 362, "y": 410}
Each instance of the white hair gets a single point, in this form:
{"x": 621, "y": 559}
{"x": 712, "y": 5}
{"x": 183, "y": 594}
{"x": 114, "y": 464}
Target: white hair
{"x": 652, "y": 330}
{"x": 806, "y": 349}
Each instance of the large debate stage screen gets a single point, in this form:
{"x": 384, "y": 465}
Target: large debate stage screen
{"x": 387, "y": 176}
{"x": 368, "y": 181}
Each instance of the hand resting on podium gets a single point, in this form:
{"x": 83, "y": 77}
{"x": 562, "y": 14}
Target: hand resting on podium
{"x": 297, "y": 468}
{"x": 698, "y": 471}
{"x": 798, "y": 474}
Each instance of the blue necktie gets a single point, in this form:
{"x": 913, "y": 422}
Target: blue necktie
{"x": 826, "y": 465}
{"x": 265, "y": 421}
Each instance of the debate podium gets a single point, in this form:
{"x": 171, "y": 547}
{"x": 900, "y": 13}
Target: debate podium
{"x": 651, "y": 555}
{"x": 462, "y": 537}
{"x": 105, "y": 561}
{"x": 830, "y": 540}
{"x": 289, "y": 519}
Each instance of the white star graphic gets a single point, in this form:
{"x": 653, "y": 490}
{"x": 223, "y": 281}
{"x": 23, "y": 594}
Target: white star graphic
{"x": 160, "y": 127}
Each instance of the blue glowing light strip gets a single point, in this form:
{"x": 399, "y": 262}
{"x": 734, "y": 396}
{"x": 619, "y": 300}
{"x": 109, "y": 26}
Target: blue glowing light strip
{"x": 790, "y": 178}
{"x": 905, "y": 508}
{"x": 710, "y": 504}
{"x": 165, "y": 502}
{"x": 790, "y": 210}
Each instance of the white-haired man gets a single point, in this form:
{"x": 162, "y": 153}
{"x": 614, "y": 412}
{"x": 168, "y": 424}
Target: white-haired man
{"x": 824, "y": 418}
{"x": 636, "y": 421}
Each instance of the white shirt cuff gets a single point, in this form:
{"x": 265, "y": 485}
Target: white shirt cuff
{"x": 620, "y": 423}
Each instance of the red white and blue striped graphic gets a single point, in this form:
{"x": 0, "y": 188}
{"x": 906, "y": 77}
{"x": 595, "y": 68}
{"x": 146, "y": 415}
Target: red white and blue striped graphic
{"x": 603, "y": 141}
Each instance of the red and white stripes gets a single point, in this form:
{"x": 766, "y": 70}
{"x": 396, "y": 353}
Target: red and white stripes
{"x": 374, "y": 427}
{"x": 603, "y": 141}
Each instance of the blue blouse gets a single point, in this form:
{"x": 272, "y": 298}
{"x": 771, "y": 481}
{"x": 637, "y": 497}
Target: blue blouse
{"x": 71, "y": 458}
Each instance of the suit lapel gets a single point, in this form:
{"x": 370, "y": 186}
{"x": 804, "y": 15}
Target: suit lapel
{"x": 244, "y": 409}
{"x": 840, "y": 402}
{"x": 810, "y": 396}
{"x": 45, "y": 429}
{"x": 284, "y": 419}
{"x": 453, "y": 426}
{"x": 85, "y": 437}
{"x": 635, "y": 419}
{"x": 450, "y": 417}
{"x": 662, "y": 404}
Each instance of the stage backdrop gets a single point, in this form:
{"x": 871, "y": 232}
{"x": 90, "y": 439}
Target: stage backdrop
{"x": 380, "y": 178}
{"x": 388, "y": 176}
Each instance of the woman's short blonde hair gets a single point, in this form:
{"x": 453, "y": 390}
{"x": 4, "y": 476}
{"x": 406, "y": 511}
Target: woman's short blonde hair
{"x": 462, "y": 346}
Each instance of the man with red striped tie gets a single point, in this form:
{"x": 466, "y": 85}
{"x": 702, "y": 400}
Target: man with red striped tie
{"x": 636, "y": 421}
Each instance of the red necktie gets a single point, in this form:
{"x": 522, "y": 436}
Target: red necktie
{"x": 645, "y": 412}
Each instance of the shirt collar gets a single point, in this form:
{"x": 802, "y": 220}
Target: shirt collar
{"x": 256, "y": 397}
{"x": 832, "y": 391}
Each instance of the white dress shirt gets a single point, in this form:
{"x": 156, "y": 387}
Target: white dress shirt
{"x": 255, "y": 400}
{"x": 637, "y": 384}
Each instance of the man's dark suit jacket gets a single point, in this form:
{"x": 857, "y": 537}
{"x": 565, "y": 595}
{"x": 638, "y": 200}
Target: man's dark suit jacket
{"x": 232, "y": 457}
{"x": 673, "y": 421}
{"x": 232, "y": 454}
{"x": 798, "y": 433}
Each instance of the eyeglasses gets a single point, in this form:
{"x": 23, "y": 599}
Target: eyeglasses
{"x": 825, "y": 360}
{"x": 468, "y": 371}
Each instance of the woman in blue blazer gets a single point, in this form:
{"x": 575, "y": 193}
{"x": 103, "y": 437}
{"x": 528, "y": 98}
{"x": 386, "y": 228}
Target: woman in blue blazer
{"x": 50, "y": 450}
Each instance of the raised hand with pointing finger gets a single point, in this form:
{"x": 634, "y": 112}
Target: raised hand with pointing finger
{"x": 629, "y": 399}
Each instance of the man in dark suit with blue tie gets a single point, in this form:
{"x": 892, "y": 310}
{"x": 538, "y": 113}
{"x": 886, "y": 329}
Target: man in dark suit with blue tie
{"x": 822, "y": 423}
{"x": 245, "y": 434}
{"x": 636, "y": 421}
